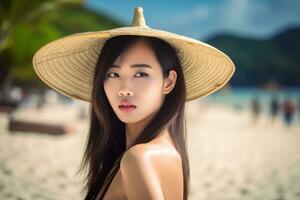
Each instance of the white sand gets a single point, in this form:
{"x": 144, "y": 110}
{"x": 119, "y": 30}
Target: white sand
{"x": 229, "y": 157}
{"x": 232, "y": 159}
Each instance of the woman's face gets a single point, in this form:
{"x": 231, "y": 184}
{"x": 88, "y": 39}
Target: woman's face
{"x": 136, "y": 76}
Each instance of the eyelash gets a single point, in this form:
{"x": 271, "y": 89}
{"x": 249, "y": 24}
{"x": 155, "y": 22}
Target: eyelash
{"x": 145, "y": 74}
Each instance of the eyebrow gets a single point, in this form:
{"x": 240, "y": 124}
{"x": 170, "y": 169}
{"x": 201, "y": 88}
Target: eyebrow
{"x": 140, "y": 65}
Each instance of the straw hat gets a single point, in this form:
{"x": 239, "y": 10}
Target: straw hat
{"x": 67, "y": 64}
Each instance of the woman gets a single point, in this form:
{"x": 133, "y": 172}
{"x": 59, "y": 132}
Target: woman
{"x": 137, "y": 83}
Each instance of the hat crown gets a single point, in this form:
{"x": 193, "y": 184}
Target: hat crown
{"x": 138, "y": 19}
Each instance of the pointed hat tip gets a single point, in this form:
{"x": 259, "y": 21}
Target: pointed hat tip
{"x": 138, "y": 19}
{"x": 139, "y": 9}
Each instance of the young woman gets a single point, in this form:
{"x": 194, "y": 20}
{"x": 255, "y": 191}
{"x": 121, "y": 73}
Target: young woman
{"x": 137, "y": 81}
{"x": 141, "y": 110}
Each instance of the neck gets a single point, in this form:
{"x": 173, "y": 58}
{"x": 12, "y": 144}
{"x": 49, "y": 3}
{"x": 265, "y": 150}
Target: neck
{"x": 133, "y": 130}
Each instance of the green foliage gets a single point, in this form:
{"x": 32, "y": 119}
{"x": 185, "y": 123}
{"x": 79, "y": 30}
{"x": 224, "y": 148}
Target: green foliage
{"x": 27, "y": 36}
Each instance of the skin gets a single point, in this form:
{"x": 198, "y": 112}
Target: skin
{"x": 146, "y": 92}
{"x": 150, "y": 170}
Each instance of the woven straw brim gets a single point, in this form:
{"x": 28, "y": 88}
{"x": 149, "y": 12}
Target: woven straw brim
{"x": 67, "y": 64}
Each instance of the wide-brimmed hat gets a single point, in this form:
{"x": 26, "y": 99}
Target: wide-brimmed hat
{"x": 67, "y": 64}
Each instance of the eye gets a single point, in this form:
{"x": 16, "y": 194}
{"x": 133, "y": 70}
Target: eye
{"x": 144, "y": 74}
{"x": 108, "y": 74}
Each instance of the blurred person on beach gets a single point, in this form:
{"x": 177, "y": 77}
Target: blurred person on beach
{"x": 256, "y": 109}
{"x": 288, "y": 108}
{"x": 274, "y": 108}
{"x": 16, "y": 93}
{"x": 51, "y": 97}
{"x": 41, "y": 101}
{"x": 82, "y": 115}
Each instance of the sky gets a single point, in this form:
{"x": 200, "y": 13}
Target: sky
{"x": 205, "y": 18}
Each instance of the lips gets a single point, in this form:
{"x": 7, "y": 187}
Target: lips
{"x": 121, "y": 106}
{"x": 126, "y": 106}
{"x": 126, "y": 103}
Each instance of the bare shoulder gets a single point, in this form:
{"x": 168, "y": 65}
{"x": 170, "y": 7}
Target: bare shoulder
{"x": 149, "y": 172}
{"x": 151, "y": 155}
{"x": 142, "y": 152}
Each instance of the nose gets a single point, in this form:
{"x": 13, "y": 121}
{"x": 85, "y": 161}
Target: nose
{"x": 125, "y": 92}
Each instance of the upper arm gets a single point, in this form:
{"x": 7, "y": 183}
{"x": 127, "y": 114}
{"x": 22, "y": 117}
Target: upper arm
{"x": 140, "y": 177}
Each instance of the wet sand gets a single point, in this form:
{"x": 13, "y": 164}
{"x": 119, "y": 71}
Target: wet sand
{"x": 229, "y": 157}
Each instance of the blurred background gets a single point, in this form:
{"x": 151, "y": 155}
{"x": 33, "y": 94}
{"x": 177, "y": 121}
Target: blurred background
{"x": 243, "y": 140}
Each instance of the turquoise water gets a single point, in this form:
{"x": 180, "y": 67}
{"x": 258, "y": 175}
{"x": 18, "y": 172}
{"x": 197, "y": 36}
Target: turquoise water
{"x": 240, "y": 97}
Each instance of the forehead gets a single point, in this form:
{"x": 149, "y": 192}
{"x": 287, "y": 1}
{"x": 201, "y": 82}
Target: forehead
{"x": 138, "y": 55}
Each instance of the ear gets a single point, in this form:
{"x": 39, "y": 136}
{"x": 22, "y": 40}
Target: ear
{"x": 169, "y": 82}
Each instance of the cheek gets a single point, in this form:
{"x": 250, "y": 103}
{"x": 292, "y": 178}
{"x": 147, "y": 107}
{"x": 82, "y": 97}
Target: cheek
{"x": 109, "y": 90}
{"x": 150, "y": 93}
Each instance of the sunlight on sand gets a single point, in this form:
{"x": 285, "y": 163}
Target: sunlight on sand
{"x": 230, "y": 158}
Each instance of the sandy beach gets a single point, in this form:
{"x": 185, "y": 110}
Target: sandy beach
{"x": 230, "y": 158}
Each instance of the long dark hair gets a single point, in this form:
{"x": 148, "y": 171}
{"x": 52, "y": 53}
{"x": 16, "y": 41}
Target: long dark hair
{"x": 106, "y": 140}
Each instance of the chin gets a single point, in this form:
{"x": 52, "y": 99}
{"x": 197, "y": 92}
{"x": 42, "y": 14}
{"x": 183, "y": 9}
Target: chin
{"x": 127, "y": 119}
